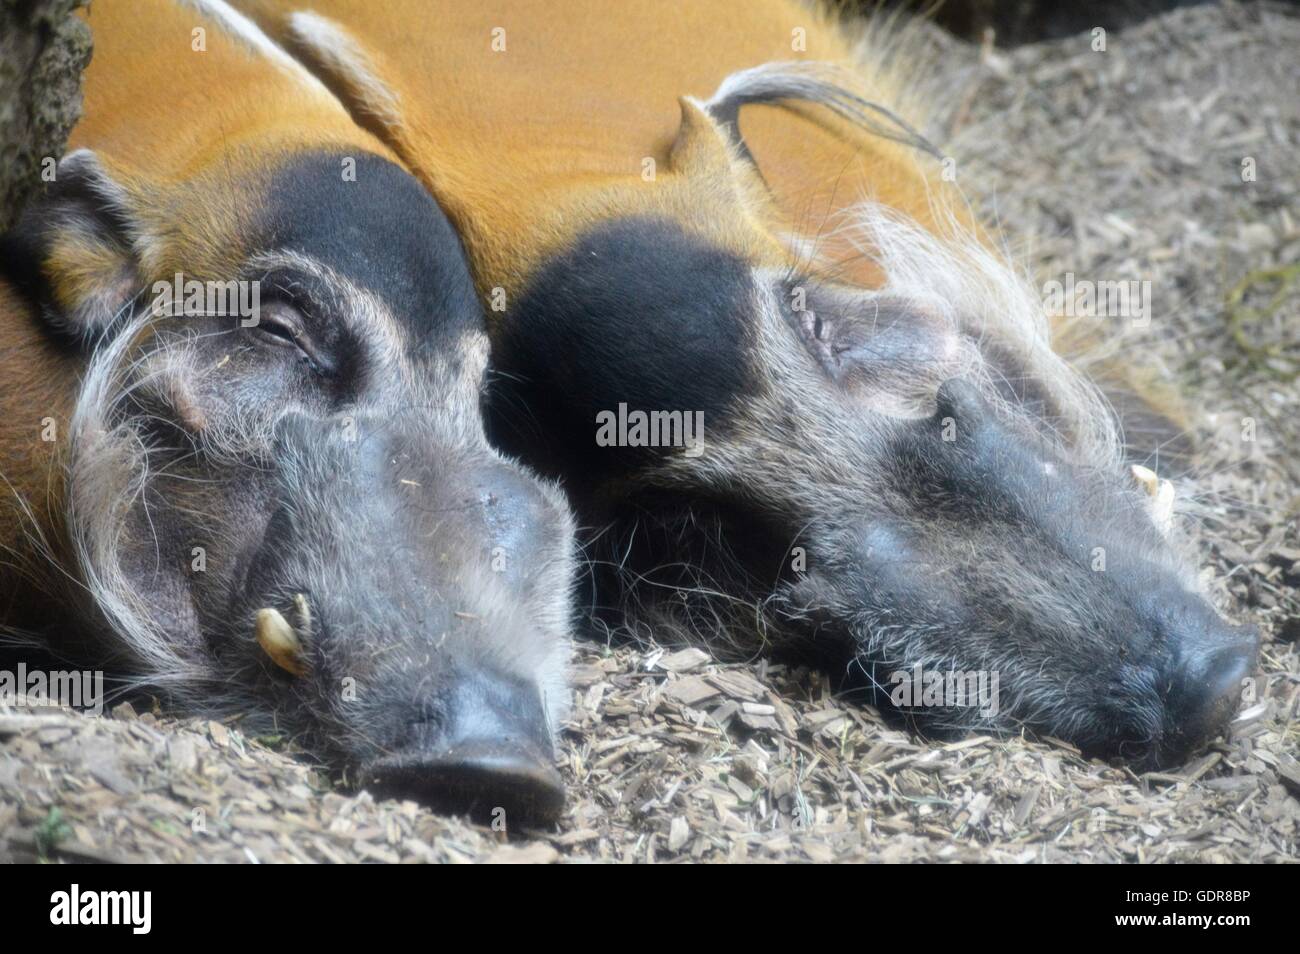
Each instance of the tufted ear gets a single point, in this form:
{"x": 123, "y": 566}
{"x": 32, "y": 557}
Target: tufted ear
{"x": 72, "y": 250}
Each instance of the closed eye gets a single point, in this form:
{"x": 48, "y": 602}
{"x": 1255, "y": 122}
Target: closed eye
{"x": 280, "y": 324}
{"x": 278, "y": 332}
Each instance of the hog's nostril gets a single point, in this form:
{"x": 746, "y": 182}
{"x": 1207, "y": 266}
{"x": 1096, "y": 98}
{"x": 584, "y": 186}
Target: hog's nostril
{"x": 1204, "y": 694}
{"x": 476, "y": 777}
{"x": 490, "y": 748}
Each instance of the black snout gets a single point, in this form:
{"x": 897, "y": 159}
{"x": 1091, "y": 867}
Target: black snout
{"x": 490, "y": 750}
{"x": 1205, "y": 691}
{"x": 476, "y": 778}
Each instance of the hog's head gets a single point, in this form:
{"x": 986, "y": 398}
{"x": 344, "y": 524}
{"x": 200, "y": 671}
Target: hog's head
{"x": 278, "y": 488}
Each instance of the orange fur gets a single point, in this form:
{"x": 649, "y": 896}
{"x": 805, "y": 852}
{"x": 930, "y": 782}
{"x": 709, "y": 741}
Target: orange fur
{"x": 35, "y": 402}
{"x": 190, "y": 137}
{"x": 529, "y": 146}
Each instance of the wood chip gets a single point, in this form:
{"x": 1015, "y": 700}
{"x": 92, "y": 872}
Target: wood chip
{"x": 534, "y": 853}
{"x": 692, "y": 691}
{"x": 679, "y": 833}
{"x": 684, "y": 660}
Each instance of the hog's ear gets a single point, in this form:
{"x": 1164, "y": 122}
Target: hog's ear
{"x": 345, "y": 67}
{"x": 704, "y": 154}
{"x": 892, "y": 351}
{"x": 701, "y": 147}
{"x": 72, "y": 249}
{"x": 705, "y": 150}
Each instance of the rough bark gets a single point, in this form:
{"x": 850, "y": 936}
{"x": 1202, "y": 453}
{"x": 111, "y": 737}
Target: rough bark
{"x": 43, "y": 49}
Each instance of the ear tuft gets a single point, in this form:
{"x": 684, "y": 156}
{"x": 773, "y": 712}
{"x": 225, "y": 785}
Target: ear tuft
{"x": 343, "y": 66}
{"x": 72, "y": 250}
{"x": 822, "y": 84}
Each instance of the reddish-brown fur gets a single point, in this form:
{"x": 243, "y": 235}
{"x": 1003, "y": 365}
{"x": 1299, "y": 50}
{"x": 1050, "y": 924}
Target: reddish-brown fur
{"x": 153, "y": 118}
{"x": 525, "y": 151}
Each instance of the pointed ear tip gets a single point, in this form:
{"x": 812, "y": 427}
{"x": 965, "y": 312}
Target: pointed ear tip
{"x": 693, "y": 109}
{"x": 83, "y": 172}
{"x": 81, "y": 159}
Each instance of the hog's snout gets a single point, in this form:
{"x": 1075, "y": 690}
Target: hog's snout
{"x": 1205, "y": 688}
{"x": 486, "y": 749}
{"x": 999, "y": 554}
{"x": 402, "y": 603}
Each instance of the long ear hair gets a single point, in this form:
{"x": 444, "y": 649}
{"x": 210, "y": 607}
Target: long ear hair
{"x": 949, "y": 264}
{"x": 822, "y": 84}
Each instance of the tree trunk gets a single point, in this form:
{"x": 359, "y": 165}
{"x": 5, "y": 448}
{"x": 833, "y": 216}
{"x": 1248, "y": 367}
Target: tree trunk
{"x": 43, "y": 49}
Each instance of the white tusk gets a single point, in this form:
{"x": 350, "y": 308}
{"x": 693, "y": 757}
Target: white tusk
{"x": 304, "y": 614}
{"x": 1162, "y": 510}
{"x": 1147, "y": 478}
{"x": 277, "y": 638}
{"x": 1161, "y": 493}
